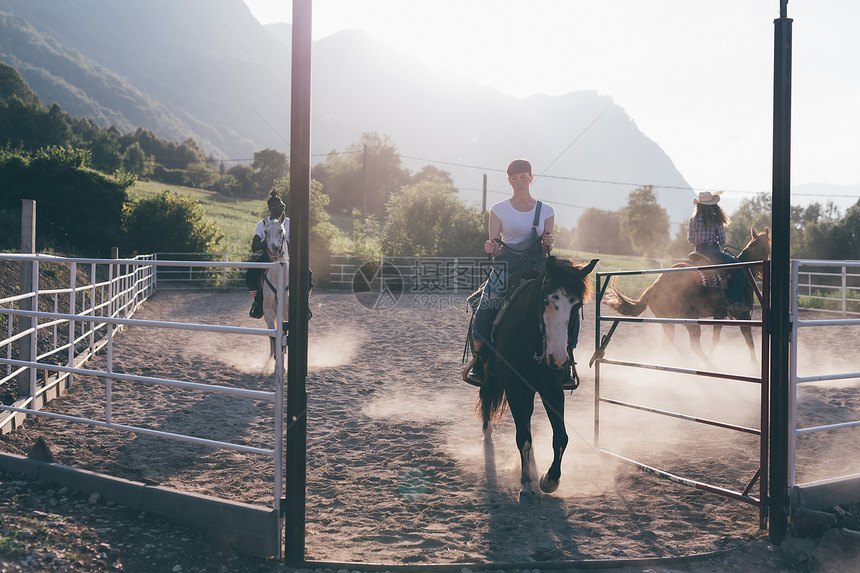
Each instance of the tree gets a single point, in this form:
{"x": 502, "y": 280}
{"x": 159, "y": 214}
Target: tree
{"x": 599, "y": 231}
{"x": 199, "y": 175}
{"x": 816, "y": 232}
{"x": 427, "y": 219}
{"x": 269, "y": 165}
{"x": 680, "y": 247}
{"x": 430, "y": 173}
{"x": 104, "y": 150}
{"x": 244, "y": 176}
{"x": 752, "y": 212}
{"x": 136, "y": 162}
{"x": 171, "y": 223}
{"x": 645, "y": 222}
{"x": 362, "y": 177}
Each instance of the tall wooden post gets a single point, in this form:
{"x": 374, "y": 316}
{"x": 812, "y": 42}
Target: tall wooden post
{"x": 297, "y": 358}
{"x": 780, "y": 273}
{"x": 26, "y": 345}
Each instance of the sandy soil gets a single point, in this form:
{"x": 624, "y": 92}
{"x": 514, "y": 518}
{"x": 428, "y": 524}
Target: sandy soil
{"x": 397, "y": 471}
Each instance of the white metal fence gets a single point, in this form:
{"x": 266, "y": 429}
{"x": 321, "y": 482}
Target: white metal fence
{"x": 842, "y": 277}
{"x": 91, "y": 314}
{"x": 96, "y": 289}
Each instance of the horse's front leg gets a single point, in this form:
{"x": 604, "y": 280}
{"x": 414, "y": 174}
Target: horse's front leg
{"x": 553, "y": 402}
{"x": 695, "y": 332}
{"x": 521, "y": 410}
{"x": 486, "y": 411}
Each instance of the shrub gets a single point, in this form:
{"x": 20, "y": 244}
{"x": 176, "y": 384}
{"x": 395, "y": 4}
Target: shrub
{"x": 169, "y": 223}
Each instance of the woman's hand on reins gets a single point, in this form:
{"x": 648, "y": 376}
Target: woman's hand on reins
{"x": 490, "y": 247}
{"x": 547, "y": 241}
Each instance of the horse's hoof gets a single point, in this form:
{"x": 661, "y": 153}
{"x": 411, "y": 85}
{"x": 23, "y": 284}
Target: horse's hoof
{"x": 527, "y": 496}
{"x": 548, "y": 485}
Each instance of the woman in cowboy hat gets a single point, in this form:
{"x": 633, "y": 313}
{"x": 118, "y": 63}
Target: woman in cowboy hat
{"x": 707, "y": 232}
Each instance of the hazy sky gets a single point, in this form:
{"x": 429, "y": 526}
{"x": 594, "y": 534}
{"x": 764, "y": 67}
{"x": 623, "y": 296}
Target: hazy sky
{"x": 695, "y": 75}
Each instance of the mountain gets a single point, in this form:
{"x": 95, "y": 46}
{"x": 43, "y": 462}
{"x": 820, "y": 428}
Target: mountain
{"x": 209, "y": 70}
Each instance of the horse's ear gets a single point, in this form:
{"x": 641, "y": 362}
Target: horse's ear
{"x": 590, "y": 266}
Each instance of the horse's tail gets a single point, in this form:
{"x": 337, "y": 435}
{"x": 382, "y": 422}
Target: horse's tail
{"x": 624, "y": 305}
{"x": 491, "y": 397}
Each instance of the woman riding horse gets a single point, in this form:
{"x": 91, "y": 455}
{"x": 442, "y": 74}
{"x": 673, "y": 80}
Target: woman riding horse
{"x": 520, "y": 236}
{"x": 253, "y": 276}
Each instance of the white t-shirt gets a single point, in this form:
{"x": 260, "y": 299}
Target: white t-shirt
{"x": 517, "y": 225}
{"x": 258, "y": 230}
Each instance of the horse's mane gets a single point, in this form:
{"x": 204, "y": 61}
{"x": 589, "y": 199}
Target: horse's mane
{"x": 571, "y": 276}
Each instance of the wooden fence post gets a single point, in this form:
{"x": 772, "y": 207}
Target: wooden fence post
{"x": 28, "y": 247}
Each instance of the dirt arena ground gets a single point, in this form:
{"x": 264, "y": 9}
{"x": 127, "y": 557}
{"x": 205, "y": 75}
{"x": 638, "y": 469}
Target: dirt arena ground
{"x": 397, "y": 471}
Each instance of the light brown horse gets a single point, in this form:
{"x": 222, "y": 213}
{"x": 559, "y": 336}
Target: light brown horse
{"x": 680, "y": 295}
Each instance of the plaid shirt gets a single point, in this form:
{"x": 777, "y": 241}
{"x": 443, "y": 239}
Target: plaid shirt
{"x": 698, "y": 233}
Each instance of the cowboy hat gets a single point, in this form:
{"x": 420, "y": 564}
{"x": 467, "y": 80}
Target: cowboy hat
{"x": 708, "y": 198}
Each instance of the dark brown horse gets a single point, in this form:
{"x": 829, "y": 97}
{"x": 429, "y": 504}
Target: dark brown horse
{"x": 529, "y": 355}
{"x": 681, "y": 295}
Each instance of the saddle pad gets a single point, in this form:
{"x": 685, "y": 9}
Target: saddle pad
{"x": 708, "y": 278}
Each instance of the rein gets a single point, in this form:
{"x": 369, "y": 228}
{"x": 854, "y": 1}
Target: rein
{"x": 515, "y": 250}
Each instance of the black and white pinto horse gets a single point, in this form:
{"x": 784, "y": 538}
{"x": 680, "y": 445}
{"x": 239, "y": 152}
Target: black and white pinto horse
{"x": 275, "y": 240}
{"x": 530, "y": 355}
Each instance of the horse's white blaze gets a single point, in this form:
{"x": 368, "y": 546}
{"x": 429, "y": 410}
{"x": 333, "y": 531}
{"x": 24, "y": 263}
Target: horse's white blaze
{"x": 556, "y": 315}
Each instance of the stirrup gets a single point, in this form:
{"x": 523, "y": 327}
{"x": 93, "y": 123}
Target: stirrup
{"x": 470, "y": 371}
{"x": 571, "y": 381}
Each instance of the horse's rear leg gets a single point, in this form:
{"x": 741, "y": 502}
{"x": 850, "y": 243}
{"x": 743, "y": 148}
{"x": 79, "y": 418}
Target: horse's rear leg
{"x": 668, "y": 336}
{"x": 748, "y": 337}
{"x": 553, "y": 401}
{"x": 715, "y": 337}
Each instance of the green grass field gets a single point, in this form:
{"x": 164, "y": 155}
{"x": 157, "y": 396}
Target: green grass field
{"x": 236, "y": 218}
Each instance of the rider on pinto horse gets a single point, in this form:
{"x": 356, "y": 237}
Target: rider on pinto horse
{"x": 252, "y": 276}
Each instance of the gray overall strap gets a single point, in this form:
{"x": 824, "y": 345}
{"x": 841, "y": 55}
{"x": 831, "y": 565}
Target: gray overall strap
{"x": 537, "y": 215}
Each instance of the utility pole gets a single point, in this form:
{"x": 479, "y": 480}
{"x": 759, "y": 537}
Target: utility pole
{"x": 364, "y": 183}
{"x": 484, "y": 199}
